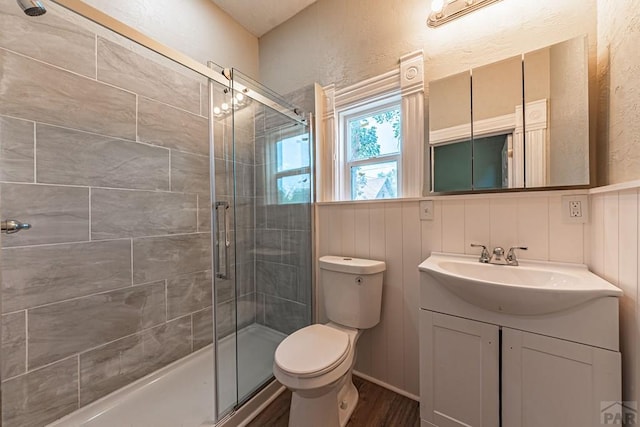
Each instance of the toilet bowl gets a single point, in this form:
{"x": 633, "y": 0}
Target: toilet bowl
{"x": 316, "y": 362}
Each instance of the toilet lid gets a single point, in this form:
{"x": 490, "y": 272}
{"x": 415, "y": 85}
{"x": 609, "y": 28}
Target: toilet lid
{"x": 312, "y": 351}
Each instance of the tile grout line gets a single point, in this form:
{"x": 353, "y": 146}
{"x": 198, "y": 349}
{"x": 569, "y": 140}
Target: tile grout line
{"x": 117, "y": 138}
{"x": 99, "y": 293}
{"x": 157, "y": 101}
{"x": 116, "y": 239}
{"x": 549, "y": 232}
{"x": 26, "y": 340}
{"x": 90, "y": 231}
{"x": 27, "y": 372}
{"x": 59, "y": 68}
{"x": 94, "y": 78}
{"x": 35, "y": 153}
{"x": 137, "y": 119}
{"x": 97, "y": 187}
{"x": 131, "y": 250}
{"x": 95, "y": 52}
{"x": 192, "y": 334}
{"x": 84, "y": 351}
{"x": 166, "y": 300}
{"x": 78, "y": 367}
{"x": 200, "y": 113}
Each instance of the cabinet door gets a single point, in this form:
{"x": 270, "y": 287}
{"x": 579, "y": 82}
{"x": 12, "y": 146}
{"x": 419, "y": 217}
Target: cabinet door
{"x": 552, "y": 382}
{"x": 459, "y": 371}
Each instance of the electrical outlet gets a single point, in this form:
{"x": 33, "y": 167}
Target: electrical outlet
{"x": 426, "y": 210}
{"x": 575, "y": 209}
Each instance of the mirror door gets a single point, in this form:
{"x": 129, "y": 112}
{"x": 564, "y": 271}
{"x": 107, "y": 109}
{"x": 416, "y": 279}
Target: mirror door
{"x": 497, "y": 125}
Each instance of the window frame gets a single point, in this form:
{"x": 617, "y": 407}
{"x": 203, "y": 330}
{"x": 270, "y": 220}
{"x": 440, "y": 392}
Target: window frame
{"x": 272, "y": 175}
{"x": 366, "y": 107}
{"x": 407, "y": 82}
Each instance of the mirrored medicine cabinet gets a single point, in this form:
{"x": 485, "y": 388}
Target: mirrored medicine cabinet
{"x": 522, "y": 122}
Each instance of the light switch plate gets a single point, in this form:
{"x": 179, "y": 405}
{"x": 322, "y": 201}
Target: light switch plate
{"x": 426, "y": 210}
{"x": 575, "y": 209}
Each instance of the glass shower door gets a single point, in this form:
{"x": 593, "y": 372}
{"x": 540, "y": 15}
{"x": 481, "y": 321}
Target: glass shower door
{"x": 262, "y": 221}
{"x": 224, "y": 243}
{"x": 273, "y": 230}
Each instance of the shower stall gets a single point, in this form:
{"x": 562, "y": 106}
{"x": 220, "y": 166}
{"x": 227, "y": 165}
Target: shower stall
{"x": 262, "y": 205}
{"x": 170, "y": 237}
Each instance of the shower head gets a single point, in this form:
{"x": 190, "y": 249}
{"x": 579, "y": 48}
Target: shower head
{"x": 32, "y": 7}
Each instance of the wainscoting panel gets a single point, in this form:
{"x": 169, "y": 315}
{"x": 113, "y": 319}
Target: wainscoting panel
{"x": 391, "y": 231}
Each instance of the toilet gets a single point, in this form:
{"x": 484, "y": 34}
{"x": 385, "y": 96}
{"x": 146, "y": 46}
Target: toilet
{"x": 316, "y": 362}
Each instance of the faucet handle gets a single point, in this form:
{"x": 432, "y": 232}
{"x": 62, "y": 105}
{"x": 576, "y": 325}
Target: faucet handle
{"x": 511, "y": 255}
{"x": 484, "y": 255}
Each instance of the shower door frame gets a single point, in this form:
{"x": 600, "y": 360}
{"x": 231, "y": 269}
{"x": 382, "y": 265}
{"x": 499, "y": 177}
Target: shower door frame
{"x": 110, "y": 23}
{"x": 208, "y": 71}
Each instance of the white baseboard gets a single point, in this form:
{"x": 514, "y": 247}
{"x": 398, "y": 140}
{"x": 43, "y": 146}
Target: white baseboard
{"x": 387, "y": 386}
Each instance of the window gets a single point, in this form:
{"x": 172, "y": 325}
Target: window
{"x": 370, "y": 135}
{"x": 372, "y": 151}
{"x": 292, "y": 176}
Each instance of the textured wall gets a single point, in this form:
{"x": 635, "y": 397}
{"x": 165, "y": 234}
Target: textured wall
{"x": 334, "y": 41}
{"x": 105, "y": 152}
{"x": 619, "y": 78}
{"x": 197, "y": 28}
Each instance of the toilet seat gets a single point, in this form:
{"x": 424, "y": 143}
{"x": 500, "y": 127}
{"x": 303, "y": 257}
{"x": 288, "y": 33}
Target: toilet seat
{"x": 312, "y": 351}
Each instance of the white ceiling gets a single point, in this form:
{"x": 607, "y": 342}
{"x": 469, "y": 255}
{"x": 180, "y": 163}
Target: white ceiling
{"x": 260, "y": 16}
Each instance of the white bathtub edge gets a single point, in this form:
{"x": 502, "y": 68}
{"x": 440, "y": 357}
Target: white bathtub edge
{"x": 113, "y": 399}
{"x": 253, "y": 407}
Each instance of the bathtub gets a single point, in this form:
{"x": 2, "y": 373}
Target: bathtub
{"x": 178, "y": 395}
{"x": 181, "y": 394}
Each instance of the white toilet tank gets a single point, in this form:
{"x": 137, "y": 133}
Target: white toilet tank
{"x": 352, "y": 290}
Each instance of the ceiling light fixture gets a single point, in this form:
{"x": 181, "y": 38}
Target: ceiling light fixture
{"x": 236, "y": 102}
{"x": 443, "y": 11}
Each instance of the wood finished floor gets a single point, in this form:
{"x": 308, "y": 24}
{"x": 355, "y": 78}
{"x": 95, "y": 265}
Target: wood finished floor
{"x": 377, "y": 407}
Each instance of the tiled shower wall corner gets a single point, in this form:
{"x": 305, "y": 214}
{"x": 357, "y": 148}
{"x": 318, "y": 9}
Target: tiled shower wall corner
{"x": 283, "y": 260}
{"x": 105, "y": 152}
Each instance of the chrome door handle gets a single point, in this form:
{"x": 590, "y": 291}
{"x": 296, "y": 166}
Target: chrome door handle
{"x": 223, "y": 241}
{"x": 10, "y": 226}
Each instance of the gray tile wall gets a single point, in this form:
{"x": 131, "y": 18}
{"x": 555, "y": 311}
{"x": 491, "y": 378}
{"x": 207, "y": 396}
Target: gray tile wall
{"x": 283, "y": 242}
{"x": 105, "y": 152}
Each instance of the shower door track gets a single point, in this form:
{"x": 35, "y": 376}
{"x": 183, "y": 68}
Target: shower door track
{"x": 110, "y": 23}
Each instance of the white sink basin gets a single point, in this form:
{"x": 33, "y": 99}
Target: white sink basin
{"x": 532, "y": 288}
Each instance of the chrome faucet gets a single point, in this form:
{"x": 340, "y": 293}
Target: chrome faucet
{"x": 484, "y": 255}
{"x": 498, "y": 257}
{"x": 511, "y": 255}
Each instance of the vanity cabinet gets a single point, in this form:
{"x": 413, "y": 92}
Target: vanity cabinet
{"x": 480, "y": 374}
{"x": 552, "y": 382}
{"x": 460, "y": 362}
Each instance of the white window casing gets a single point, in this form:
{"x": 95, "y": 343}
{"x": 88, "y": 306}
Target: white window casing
{"x": 405, "y": 85}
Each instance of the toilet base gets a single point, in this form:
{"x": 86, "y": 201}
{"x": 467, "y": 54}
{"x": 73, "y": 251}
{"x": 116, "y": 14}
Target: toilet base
{"x": 332, "y": 409}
